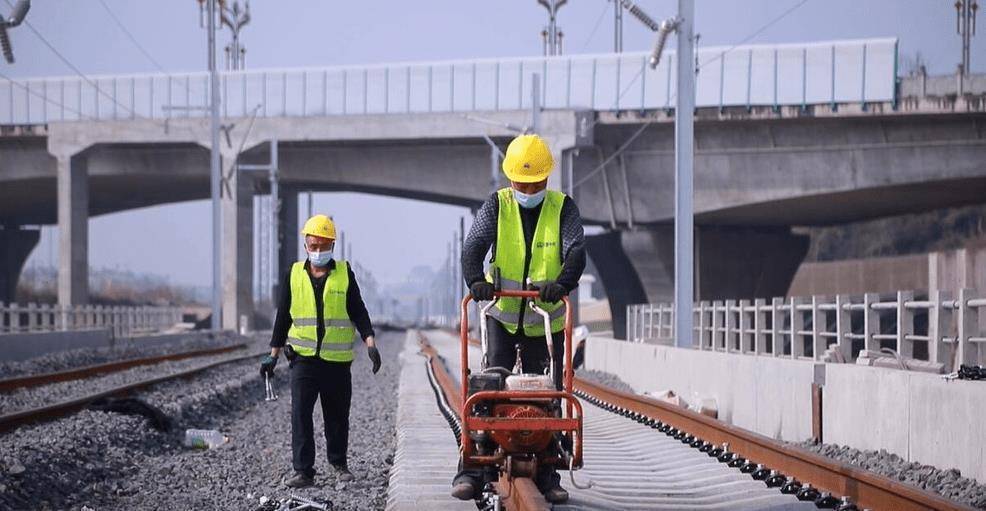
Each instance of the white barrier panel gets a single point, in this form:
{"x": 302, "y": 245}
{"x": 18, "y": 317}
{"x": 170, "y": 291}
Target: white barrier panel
{"x": 834, "y": 72}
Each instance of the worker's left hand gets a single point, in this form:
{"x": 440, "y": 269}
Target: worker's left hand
{"x": 371, "y": 350}
{"x": 267, "y": 365}
{"x": 375, "y": 357}
{"x": 552, "y": 292}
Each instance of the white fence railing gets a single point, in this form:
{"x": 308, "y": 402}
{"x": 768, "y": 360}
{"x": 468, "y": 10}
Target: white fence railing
{"x": 123, "y": 321}
{"x": 835, "y": 72}
{"x": 939, "y": 328}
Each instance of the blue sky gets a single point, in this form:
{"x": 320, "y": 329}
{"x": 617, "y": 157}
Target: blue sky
{"x": 390, "y": 236}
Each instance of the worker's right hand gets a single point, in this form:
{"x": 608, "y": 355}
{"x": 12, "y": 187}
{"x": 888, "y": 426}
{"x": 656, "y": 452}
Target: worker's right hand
{"x": 481, "y": 291}
{"x": 267, "y": 365}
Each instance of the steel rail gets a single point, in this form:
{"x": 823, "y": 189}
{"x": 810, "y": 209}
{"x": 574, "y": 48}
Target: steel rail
{"x": 34, "y": 380}
{"x": 54, "y": 411}
{"x": 518, "y": 494}
{"x": 865, "y": 488}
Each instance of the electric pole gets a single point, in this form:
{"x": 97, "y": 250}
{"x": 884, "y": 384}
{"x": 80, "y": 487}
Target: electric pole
{"x": 214, "y": 171}
{"x": 965, "y": 25}
{"x": 235, "y": 18}
{"x": 684, "y": 137}
{"x": 551, "y": 35}
{"x": 617, "y": 27}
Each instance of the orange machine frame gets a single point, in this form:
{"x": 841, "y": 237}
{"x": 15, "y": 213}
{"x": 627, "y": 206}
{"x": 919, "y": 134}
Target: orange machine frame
{"x": 571, "y": 423}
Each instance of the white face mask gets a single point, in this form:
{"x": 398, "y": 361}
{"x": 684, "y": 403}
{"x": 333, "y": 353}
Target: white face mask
{"x": 318, "y": 258}
{"x": 529, "y": 201}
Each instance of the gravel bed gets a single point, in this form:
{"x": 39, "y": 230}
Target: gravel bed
{"x": 947, "y": 483}
{"x": 30, "y": 397}
{"x": 604, "y": 378}
{"x": 115, "y": 462}
{"x": 125, "y": 349}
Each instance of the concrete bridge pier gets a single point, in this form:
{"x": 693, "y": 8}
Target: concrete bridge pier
{"x": 73, "y": 228}
{"x": 637, "y": 266}
{"x": 18, "y": 244}
{"x": 288, "y": 231}
{"x": 237, "y": 246}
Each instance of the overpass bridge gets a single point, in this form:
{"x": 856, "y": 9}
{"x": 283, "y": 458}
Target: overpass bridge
{"x": 802, "y": 134}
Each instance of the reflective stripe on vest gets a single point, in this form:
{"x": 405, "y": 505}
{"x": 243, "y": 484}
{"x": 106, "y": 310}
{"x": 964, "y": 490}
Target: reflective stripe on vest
{"x": 545, "y": 261}
{"x": 337, "y": 342}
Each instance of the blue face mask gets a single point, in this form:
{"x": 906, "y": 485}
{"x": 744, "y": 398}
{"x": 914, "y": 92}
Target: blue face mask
{"x": 320, "y": 259}
{"x": 529, "y": 201}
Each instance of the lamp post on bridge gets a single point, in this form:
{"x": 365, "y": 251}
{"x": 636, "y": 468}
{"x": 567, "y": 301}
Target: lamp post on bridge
{"x": 551, "y": 34}
{"x": 965, "y": 25}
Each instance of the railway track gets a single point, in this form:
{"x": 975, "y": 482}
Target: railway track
{"x": 645, "y": 454}
{"x": 35, "y": 380}
{"x": 60, "y": 409}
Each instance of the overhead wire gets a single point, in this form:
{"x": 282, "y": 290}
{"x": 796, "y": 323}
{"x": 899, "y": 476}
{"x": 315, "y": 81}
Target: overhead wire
{"x": 123, "y": 28}
{"x": 45, "y": 98}
{"x": 595, "y": 27}
{"x": 72, "y": 66}
{"x": 674, "y": 96}
{"x": 94, "y": 84}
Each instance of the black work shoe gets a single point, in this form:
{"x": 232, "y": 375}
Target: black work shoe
{"x": 464, "y": 490}
{"x": 556, "y": 495}
{"x": 300, "y": 481}
{"x": 342, "y": 473}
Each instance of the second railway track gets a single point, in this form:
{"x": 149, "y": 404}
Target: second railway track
{"x": 645, "y": 454}
{"x": 60, "y": 407}
{"x": 34, "y": 380}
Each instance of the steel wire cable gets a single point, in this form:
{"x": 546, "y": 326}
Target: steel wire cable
{"x": 674, "y": 96}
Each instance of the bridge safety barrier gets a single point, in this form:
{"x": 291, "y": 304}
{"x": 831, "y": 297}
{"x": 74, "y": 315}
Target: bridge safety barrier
{"x": 835, "y": 72}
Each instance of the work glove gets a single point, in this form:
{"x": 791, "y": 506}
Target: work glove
{"x": 375, "y": 357}
{"x": 267, "y": 365}
{"x": 552, "y": 292}
{"x": 481, "y": 290}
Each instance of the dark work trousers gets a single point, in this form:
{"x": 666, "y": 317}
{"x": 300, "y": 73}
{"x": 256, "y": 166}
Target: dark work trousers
{"x": 330, "y": 382}
{"x": 534, "y": 357}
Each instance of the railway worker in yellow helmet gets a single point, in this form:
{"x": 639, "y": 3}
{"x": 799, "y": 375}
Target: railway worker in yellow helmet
{"x": 532, "y": 233}
{"x": 318, "y": 314}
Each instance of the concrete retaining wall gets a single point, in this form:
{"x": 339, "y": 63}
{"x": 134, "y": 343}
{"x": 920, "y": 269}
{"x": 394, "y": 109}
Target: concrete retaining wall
{"x": 770, "y": 396}
{"x": 917, "y": 416}
{"x": 15, "y": 347}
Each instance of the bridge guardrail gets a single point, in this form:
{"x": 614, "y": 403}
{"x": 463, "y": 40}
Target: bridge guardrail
{"x": 951, "y": 331}
{"x": 123, "y": 321}
{"x": 835, "y": 72}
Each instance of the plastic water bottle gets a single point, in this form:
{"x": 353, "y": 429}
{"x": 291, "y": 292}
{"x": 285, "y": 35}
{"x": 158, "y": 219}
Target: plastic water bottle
{"x": 204, "y": 438}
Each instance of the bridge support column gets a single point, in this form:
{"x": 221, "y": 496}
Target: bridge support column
{"x": 17, "y": 245}
{"x": 237, "y": 249}
{"x": 73, "y": 229}
{"x": 731, "y": 263}
{"x": 288, "y": 230}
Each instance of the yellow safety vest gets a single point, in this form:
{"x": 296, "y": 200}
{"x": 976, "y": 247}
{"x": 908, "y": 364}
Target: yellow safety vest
{"x": 337, "y": 343}
{"x": 545, "y": 262}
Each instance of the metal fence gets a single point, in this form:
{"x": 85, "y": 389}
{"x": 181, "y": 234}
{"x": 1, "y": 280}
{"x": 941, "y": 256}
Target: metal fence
{"x": 937, "y": 328}
{"x": 836, "y": 72}
{"x": 123, "y": 321}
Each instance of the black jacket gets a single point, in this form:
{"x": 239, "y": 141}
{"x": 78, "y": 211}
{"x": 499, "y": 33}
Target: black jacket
{"x": 482, "y": 238}
{"x": 354, "y": 306}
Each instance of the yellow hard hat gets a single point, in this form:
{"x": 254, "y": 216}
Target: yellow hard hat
{"x": 528, "y": 160}
{"x": 321, "y": 226}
